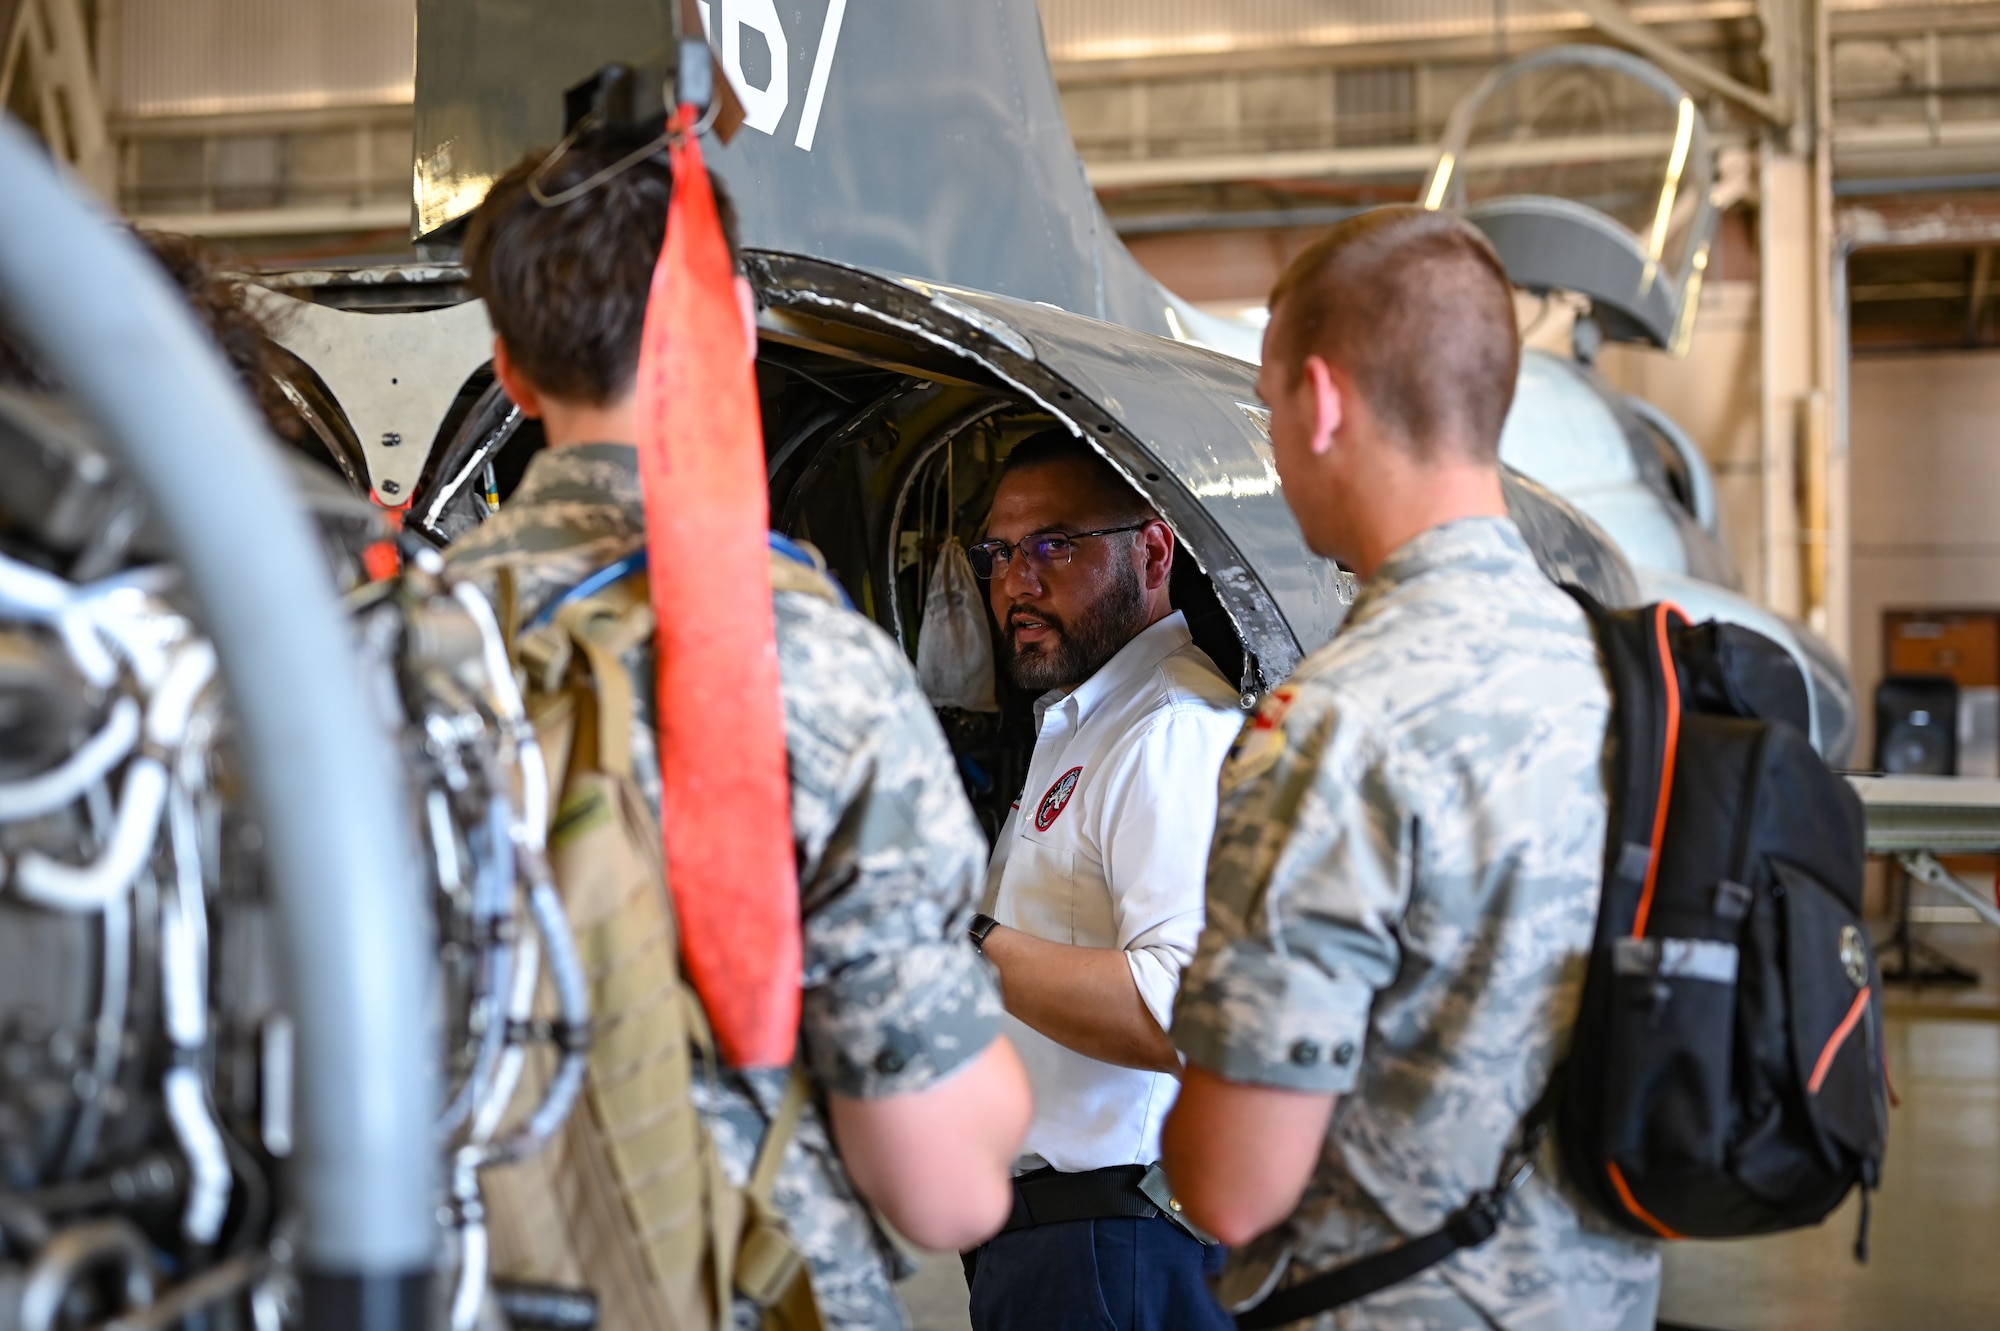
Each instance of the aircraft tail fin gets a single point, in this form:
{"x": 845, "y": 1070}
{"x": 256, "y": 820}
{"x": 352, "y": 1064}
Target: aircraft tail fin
{"x": 908, "y": 137}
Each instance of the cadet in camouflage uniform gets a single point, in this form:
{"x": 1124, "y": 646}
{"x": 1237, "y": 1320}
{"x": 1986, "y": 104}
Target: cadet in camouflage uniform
{"x": 1405, "y": 871}
{"x": 890, "y": 858}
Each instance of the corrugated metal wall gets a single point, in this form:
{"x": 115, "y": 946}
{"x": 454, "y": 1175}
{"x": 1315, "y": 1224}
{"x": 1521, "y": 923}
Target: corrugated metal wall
{"x": 221, "y": 57}
{"x": 1111, "y": 29}
{"x": 210, "y": 57}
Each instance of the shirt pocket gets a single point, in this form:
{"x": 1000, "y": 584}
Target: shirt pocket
{"x": 1040, "y": 885}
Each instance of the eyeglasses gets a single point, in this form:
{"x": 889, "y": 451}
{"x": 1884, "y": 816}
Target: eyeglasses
{"x": 1043, "y": 550}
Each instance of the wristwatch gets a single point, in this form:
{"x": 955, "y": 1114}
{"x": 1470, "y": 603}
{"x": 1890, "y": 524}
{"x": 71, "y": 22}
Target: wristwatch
{"x": 981, "y": 926}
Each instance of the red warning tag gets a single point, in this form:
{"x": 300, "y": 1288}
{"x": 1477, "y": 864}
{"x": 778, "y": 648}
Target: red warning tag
{"x": 725, "y": 797}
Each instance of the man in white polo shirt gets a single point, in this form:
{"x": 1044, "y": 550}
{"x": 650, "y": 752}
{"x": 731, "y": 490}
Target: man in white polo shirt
{"x": 1094, "y": 895}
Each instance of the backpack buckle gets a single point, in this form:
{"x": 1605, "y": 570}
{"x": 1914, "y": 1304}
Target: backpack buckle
{"x": 1517, "y": 1168}
{"x": 1518, "y": 1165}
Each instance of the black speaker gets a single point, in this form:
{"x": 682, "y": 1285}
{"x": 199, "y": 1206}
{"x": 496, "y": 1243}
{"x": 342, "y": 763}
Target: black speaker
{"x": 1916, "y": 725}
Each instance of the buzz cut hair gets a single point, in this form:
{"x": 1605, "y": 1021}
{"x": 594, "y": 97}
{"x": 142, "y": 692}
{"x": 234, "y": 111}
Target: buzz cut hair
{"x": 566, "y": 286}
{"x": 1117, "y": 500}
{"x": 1414, "y": 305}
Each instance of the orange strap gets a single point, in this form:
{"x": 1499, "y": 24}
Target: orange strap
{"x": 1651, "y": 1221}
{"x": 1839, "y": 1037}
{"x": 1673, "y": 694}
{"x": 725, "y": 800}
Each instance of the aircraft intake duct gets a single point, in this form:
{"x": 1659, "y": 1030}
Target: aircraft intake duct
{"x": 351, "y": 911}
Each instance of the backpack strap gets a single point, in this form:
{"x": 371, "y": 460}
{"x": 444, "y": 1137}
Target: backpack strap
{"x": 771, "y": 1153}
{"x": 1642, "y": 739}
{"x": 604, "y": 627}
{"x": 1637, "y": 650}
{"x": 798, "y": 566}
{"x": 770, "y": 1270}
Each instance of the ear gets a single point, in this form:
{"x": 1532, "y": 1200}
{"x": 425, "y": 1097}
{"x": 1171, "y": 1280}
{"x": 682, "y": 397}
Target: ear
{"x": 514, "y": 382}
{"x": 1329, "y": 406}
{"x": 1156, "y": 545}
{"x": 746, "y": 305}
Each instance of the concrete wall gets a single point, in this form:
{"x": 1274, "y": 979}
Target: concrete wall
{"x": 1924, "y": 440}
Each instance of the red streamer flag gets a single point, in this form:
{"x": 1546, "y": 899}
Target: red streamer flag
{"x": 725, "y": 800}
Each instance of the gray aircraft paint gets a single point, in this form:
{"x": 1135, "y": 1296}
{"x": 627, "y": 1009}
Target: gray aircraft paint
{"x": 939, "y": 148}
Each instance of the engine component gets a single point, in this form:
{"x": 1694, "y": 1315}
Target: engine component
{"x": 147, "y": 1057}
{"x": 41, "y": 703}
{"x": 146, "y": 1061}
{"x": 113, "y": 855}
{"x": 436, "y": 650}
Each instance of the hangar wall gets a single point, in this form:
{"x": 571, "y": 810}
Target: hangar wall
{"x": 1926, "y": 492}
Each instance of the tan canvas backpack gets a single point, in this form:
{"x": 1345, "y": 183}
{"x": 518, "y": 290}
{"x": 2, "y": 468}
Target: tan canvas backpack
{"x": 630, "y": 1200}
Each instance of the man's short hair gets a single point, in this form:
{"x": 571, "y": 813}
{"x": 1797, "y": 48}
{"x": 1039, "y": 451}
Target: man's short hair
{"x": 1416, "y": 307}
{"x": 566, "y": 286}
{"x": 1118, "y": 501}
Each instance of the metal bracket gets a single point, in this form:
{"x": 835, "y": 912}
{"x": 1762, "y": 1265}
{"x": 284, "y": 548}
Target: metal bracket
{"x": 1925, "y": 868}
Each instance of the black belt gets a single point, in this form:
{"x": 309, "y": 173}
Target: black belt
{"x": 1046, "y": 1197}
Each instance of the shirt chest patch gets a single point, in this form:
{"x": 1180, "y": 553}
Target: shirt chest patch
{"x": 1056, "y": 800}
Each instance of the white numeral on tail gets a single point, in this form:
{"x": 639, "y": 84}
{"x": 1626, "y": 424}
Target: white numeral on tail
{"x": 829, "y": 38}
{"x": 763, "y": 107}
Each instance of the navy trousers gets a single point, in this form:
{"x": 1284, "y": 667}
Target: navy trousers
{"x": 1095, "y": 1275}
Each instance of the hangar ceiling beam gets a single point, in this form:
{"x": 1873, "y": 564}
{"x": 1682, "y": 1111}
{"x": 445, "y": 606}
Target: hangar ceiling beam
{"x": 1388, "y": 161}
{"x": 1363, "y": 50}
{"x": 1615, "y": 22}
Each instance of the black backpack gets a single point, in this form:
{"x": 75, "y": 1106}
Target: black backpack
{"x": 1725, "y": 1075}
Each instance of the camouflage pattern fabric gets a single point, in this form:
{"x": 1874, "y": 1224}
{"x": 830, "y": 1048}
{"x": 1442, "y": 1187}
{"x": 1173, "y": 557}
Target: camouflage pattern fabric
{"x": 1401, "y": 897}
{"x": 890, "y": 863}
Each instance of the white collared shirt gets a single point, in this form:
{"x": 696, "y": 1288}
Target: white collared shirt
{"x": 1108, "y": 847}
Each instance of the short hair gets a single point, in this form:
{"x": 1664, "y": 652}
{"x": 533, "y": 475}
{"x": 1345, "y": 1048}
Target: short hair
{"x": 1417, "y": 308}
{"x": 566, "y": 286}
{"x": 1122, "y": 503}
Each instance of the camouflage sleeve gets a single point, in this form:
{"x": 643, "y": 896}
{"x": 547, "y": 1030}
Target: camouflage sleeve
{"x": 890, "y": 862}
{"x": 1308, "y": 874}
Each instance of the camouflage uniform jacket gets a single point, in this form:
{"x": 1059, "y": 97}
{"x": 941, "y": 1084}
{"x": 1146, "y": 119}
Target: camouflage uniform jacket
{"x": 1401, "y": 896}
{"x": 890, "y": 864}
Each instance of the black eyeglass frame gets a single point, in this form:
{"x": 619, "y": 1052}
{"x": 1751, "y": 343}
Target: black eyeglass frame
{"x": 1000, "y": 553}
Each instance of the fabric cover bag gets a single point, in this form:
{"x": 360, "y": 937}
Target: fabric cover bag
{"x": 954, "y": 648}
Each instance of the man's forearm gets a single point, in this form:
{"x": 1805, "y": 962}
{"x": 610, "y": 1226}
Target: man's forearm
{"x": 935, "y": 1161}
{"x": 1083, "y": 998}
{"x": 1239, "y": 1156}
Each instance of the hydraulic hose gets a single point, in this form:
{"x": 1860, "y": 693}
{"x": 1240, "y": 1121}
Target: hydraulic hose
{"x": 91, "y": 761}
{"x": 353, "y": 918}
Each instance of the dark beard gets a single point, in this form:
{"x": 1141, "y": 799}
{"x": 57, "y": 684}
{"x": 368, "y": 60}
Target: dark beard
{"x": 1080, "y": 650}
